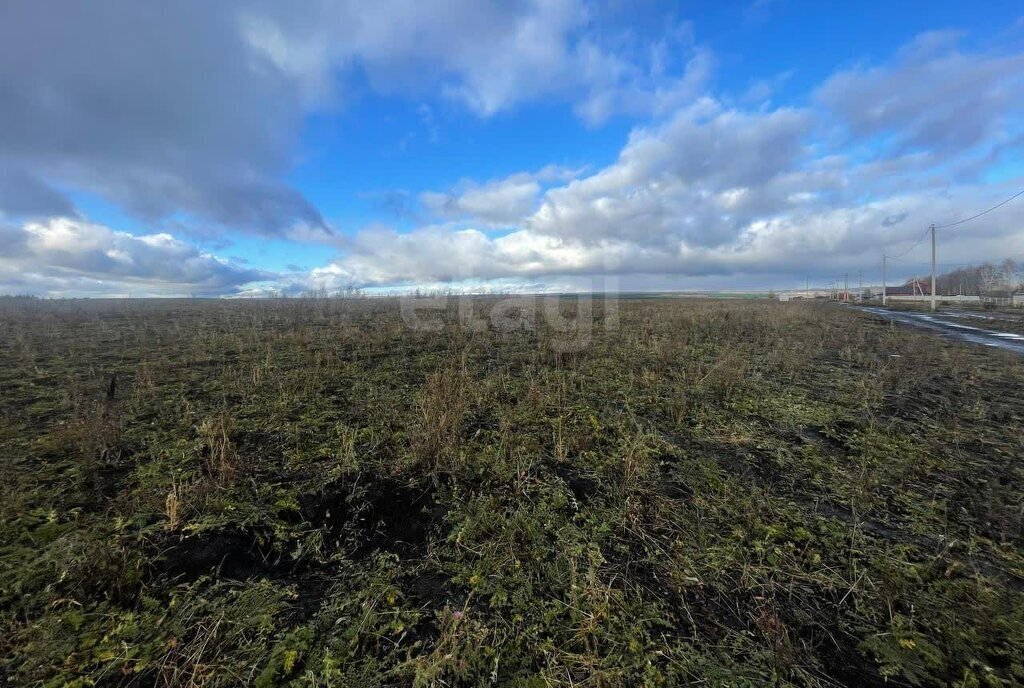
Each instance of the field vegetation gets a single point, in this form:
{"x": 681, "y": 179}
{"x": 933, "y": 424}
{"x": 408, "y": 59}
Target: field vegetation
{"x": 313, "y": 493}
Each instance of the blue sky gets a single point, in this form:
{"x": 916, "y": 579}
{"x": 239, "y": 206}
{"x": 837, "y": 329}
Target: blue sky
{"x": 542, "y": 144}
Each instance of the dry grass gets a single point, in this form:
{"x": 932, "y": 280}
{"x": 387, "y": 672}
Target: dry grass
{"x": 218, "y": 451}
{"x": 313, "y": 493}
{"x": 443, "y": 402}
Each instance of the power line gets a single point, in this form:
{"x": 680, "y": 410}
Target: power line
{"x": 913, "y": 263}
{"x": 958, "y": 222}
{"x": 984, "y": 212}
{"x": 934, "y": 263}
{"x": 900, "y": 255}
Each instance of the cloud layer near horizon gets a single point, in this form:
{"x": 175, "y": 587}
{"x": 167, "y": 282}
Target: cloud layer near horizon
{"x": 67, "y": 257}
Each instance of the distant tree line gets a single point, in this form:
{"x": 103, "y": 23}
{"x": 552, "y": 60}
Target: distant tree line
{"x": 349, "y": 292}
{"x": 987, "y": 279}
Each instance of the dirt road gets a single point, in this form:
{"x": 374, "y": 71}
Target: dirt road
{"x": 944, "y": 324}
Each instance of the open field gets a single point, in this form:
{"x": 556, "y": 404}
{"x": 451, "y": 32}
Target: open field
{"x": 313, "y": 493}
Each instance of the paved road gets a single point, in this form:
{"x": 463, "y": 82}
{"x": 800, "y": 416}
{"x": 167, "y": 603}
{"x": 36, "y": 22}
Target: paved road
{"x": 939, "y": 322}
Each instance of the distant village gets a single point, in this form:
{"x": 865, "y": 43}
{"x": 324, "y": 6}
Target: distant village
{"x": 988, "y": 284}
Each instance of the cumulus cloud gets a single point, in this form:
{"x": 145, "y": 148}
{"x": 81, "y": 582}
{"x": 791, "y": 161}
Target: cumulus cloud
{"x": 698, "y": 178}
{"x": 71, "y": 256}
{"x": 617, "y": 85}
{"x": 193, "y": 109}
{"x": 162, "y": 110}
{"x": 820, "y": 242}
{"x": 934, "y": 96}
{"x": 714, "y": 190}
{"x": 489, "y": 55}
{"x": 499, "y": 202}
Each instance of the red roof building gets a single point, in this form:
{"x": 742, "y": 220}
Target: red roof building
{"x": 913, "y": 288}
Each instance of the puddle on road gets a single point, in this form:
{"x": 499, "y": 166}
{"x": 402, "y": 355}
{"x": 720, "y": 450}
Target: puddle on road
{"x": 1008, "y": 341}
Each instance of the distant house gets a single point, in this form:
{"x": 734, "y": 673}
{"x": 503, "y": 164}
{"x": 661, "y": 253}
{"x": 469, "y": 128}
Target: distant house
{"x": 914, "y": 288}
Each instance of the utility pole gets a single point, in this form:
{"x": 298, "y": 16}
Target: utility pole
{"x": 884, "y": 288}
{"x": 860, "y": 282}
{"x": 807, "y": 287}
{"x": 846, "y": 287}
{"x": 933, "y": 266}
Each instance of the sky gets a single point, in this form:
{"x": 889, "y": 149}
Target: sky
{"x": 253, "y": 148}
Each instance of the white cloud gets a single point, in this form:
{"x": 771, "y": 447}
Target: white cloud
{"x": 499, "y": 202}
{"x": 933, "y": 97}
{"x": 668, "y": 183}
{"x": 66, "y": 255}
{"x": 117, "y": 107}
{"x": 714, "y": 190}
{"x": 618, "y": 86}
{"x": 487, "y": 54}
{"x": 824, "y": 241}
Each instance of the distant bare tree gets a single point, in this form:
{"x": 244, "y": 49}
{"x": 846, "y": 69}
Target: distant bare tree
{"x": 978, "y": 280}
{"x": 1009, "y": 274}
{"x": 989, "y": 279}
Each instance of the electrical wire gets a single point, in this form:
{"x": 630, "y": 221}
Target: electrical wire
{"x": 900, "y": 255}
{"x": 984, "y": 212}
{"x": 955, "y": 224}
